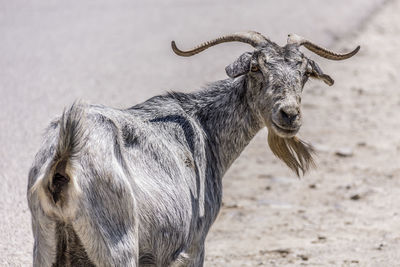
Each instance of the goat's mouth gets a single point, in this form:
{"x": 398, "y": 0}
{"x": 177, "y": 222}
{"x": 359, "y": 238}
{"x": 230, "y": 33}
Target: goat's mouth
{"x": 285, "y": 132}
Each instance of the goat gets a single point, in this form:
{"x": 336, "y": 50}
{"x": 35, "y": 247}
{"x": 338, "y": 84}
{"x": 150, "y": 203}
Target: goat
{"x": 142, "y": 186}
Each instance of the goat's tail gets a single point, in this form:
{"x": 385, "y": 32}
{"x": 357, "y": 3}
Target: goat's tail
{"x": 56, "y": 187}
{"x": 72, "y": 132}
{"x": 71, "y": 139}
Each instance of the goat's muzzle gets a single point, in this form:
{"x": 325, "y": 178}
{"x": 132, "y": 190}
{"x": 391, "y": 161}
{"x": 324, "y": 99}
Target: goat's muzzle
{"x": 286, "y": 121}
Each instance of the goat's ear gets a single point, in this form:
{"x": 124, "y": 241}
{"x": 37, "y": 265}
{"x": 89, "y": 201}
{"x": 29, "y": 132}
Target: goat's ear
{"x": 314, "y": 71}
{"x": 240, "y": 66}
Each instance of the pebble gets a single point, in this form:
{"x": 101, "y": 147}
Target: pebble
{"x": 362, "y": 143}
{"x": 303, "y": 257}
{"x": 355, "y": 197}
{"x": 282, "y": 252}
{"x": 344, "y": 152}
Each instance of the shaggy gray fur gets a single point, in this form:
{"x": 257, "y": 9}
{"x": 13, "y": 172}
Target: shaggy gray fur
{"x": 142, "y": 186}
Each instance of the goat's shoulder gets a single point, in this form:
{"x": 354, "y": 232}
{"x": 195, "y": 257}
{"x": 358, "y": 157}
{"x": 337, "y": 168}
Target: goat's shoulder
{"x": 166, "y": 117}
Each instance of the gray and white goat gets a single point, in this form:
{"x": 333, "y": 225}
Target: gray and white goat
{"x": 142, "y": 186}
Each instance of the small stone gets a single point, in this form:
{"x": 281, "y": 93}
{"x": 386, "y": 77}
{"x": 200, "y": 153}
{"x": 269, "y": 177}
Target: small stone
{"x": 344, "y": 152}
{"x": 362, "y": 144}
{"x": 282, "y": 252}
{"x": 312, "y": 186}
{"x": 320, "y": 239}
{"x": 355, "y": 197}
{"x": 303, "y": 257}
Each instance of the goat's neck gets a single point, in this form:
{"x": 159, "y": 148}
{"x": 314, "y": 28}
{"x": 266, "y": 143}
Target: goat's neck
{"x": 228, "y": 119}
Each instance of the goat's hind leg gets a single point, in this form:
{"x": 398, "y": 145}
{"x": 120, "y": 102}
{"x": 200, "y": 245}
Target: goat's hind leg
{"x": 107, "y": 221}
{"x": 93, "y": 214}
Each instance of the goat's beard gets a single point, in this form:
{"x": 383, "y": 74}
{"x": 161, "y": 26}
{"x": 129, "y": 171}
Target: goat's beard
{"x": 295, "y": 153}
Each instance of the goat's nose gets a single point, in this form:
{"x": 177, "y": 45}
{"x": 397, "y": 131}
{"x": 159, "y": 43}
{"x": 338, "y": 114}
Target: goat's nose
{"x": 289, "y": 113}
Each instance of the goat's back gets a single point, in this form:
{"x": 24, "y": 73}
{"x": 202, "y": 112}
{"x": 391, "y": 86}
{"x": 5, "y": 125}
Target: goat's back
{"x": 134, "y": 176}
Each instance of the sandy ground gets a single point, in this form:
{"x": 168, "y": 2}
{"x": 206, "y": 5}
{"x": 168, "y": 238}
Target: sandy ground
{"x": 344, "y": 213}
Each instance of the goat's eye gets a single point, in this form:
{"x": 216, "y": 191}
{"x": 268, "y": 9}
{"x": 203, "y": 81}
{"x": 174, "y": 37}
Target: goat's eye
{"x": 254, "y": 68}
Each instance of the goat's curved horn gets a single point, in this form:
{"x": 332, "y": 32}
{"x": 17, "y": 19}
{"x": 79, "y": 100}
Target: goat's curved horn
{"x": 252, "y": 38}
{"x": 323, "y": 52}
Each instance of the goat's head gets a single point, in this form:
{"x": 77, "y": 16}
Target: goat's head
{"x": 276, "y": 76}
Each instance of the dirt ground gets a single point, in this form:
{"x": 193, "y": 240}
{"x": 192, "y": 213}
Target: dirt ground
{"x": 345, "y": 212}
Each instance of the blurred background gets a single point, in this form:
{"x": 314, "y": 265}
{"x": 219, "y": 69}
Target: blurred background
{"x": 118, "y": 53}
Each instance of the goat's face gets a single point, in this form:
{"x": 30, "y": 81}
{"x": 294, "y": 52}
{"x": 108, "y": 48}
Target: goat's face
{"x": 281, "y": 73}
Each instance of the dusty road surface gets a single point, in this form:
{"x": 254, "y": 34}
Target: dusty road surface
{"x": 117, "y": 53}
{"x": 347, "y": 211}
